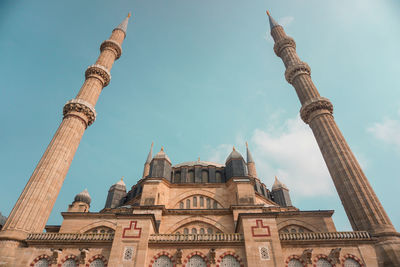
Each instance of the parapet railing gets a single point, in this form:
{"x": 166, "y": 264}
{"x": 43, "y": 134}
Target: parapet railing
{"x": 196, "y": 238}
{"x": 358, "y": 235}
{"x": 77, "y": 237}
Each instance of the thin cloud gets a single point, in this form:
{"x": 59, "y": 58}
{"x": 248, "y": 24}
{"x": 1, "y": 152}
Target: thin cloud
{"x": 387, "y": 131}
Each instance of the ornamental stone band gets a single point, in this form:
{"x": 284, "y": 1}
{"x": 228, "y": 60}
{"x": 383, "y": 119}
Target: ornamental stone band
{"x": 113, "y": 46}
{"x": 293, "y": 71}
{"x": 99, "y": 72}
{"x": 81, "y": 106}
{"x": 315, "y": 107}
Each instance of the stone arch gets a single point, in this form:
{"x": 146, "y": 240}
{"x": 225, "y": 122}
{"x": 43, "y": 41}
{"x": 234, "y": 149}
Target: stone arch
{"x": 162, "y": 253}
{"x": 73, "y": 257}
{"x": 108, "y": 224}
{"x": 295, "y": 257}
{"x": 304, "y": 224}
{"x": 198, "y": 253}
{"x": 206, "y": 220}
{"x": 205, "y": 193}
{"x": 351, "y": 256}
{"x": 95, "y": 257}
{"x": 38, "y": 258}
{"x": 232, "y": 254}
{"x": 322, "y": 256}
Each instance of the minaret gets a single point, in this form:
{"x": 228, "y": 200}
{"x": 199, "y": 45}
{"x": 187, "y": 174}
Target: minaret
{"x": 34, "y": 206}
{"x": 280, "y": 193}
{"x": 251, "y": 165}
{"x": 146, "y": 170}
{"x": 362, "y": 206}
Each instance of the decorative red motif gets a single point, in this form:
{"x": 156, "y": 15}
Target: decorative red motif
{"x": 130, "y": 232}
{"x": 347, "y": 256}
{"x": 260, "y": 230}
{"x": 162, "y": 253}
{"x": 193, "y": 254}
{"x": 95, "y": 257}
{"x": 44, "y": 256}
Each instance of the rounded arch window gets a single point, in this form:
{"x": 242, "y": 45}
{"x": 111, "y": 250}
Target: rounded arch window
{"x": 42, "y": 263}
{"x": 177, "y": 177}
{"x": 181, "y": 205}
{"x": 209, "y": 231}
{"x": 97, "y": 263}
{"x": 201, "y": 201}
{"x": 186, "y": 231}
{"x": 351, "y": 263}
{"x": 208, "y": 203}
{"x": 194, "y": 201}
{"x": 218, "y": 177}
{"x": 202, "y": 231}
{"x": 69, "y": 263}
{"x": 194, "y": 231}
{"x": 188, "y": 203}
{"x": 204, "y": 176}
{"x": 229, "y": 261}
{"x": 196, "y": 261}
{"x": 293, "y": 230}
{"x": 295, "y": 263}
{"x": 191, "y": 176}
{"x": 323, "y": 263}
{"x": 163, "y": 261}
{"x": 215, "y": 204}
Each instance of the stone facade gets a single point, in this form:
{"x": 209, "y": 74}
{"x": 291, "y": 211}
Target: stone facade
{"x": 197, "y": 213}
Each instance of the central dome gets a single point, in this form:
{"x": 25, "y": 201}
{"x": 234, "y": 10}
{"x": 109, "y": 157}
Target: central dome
{"x": 198, "y": 163}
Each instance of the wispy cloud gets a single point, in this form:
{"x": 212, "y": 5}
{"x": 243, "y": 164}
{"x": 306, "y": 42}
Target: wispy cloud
{"x": 388, "y": 131}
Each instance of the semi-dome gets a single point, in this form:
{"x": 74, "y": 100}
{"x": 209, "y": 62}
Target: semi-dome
{"x": 198, "y": 163}
{"x": 234, "y": 155}
{"x": 83, "y": 197}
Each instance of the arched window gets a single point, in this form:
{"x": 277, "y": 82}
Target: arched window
{"x": 293, "y": 230}
{"x": 215, "y": 204}
{"x": 42, "y": 263}
{"x": 191, "y": 176}
{"x": 186, "y": 231}
{"x": 97, "y": 263}
{"x": 323, "y": 263}
{"x": 69, "y": 263}
{"x": 295, "y": 263}
{"x": 202, "y": 231}
{"x": 208, "y": 203}
{"x": 163, "y": 261}
{"x": 196, "y": 261}
{"x": 351, "y": 263}
{"x": 188, "y": 203}
{"x": 178, "y": 233}
{"x": 194, "y": 231}
{"x": 201, "y": 201}
{"x": 177, "y": 177}
{"x": 181, "y": 205}
{"x": 194, "y": 201}
{"x": 204, "y": 176}
{"x": 209, "y": 231}
{"x": 229, "y": 261}
{"x": 218, "y": 177}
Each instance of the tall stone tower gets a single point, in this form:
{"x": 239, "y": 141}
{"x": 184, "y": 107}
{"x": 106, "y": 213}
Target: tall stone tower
{"x": 34, "y": 206}
{"x": 362, "y": 206}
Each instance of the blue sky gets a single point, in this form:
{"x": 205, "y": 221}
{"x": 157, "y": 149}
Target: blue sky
{"x": 198, "y": 77}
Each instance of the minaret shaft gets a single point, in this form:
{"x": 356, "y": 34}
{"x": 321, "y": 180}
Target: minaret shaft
{"x": 34, "y": 206}
{"x": 363, "y": 208}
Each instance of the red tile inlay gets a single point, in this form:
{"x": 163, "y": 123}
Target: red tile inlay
{"x": 260, "y": 230}
{"x": 132, "y": 232}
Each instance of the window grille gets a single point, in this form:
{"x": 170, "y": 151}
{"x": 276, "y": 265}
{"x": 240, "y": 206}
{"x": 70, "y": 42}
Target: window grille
{"x": 97, "y": 263}
{"x": 295, "y": 263}
{"x": 69, "y": 263}
{"x": 42, "y": 263}
{"x": 128, "y": 253}
{"x": 163, "y": 261}
{"x": 196, "y": 261}
{"x": 323, "y": 263}
{"x": 229, "y": 261}
{"x": 351, "y": 263}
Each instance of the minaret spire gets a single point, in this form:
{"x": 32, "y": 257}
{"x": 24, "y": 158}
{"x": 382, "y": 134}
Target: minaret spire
{"x": 34, "y": 206}
{"x": 272, "y": 22}
{"x": 146, "y": 169}
{"x": 123, "y": 26}
{"x": 251, "y": 165}
{"x": 362, "y": 206}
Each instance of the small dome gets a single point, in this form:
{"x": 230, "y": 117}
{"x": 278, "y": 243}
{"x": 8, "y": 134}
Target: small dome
{"x": 83, "y": 197}
{"x": 234, "y": 155}
{"x": 278, "y": 184}
{"x": 162, "y": 155}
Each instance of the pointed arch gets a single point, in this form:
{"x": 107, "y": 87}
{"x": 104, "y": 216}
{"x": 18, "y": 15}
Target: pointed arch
{"x": 174, "y": 202}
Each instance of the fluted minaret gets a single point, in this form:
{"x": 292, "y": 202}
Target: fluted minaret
{"x": 251, "y": 165}
{"x": 360, "y": 202}
{"x": 34, "y": 206}
{"x": 146, "y": 170}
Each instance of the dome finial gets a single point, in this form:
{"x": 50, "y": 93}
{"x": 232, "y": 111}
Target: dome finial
{"x": 162, "y": 148}
{"x": 233, "y": 148}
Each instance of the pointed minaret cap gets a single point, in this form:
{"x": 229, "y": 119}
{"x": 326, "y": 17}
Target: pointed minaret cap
{"x": 124, "y": 24}
{"x": 278, "y": 184}
{"x": 272, "y": 22}
{"x": 162, "y": 155}
{"x": 150, "y": 155}
{"x": 234, "y": 155}
{"x": 83, "y": 197}
{"x": 249, "y": 156}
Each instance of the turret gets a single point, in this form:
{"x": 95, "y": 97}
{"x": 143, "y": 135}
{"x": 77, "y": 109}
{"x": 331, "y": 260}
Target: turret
{"x": 160, "y": 166}
{"x": 146, "y": 170}
{"x": 115, "y": 194}
{"x": 251, "y": 165}
{"x": 235, "y": 166}
{"x": 81, "y": 202}
{"x": 280, "y": 193}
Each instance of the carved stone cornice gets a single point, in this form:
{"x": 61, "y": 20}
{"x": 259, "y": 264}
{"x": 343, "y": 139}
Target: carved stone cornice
{"x": 113, "y": 46}
{"x": 99, "y": 72}
{"x": 282, "y": 44}
{"x": 314, "y": 107}
{"x": 82, "y": 107}
{"x": 293, "y": 71}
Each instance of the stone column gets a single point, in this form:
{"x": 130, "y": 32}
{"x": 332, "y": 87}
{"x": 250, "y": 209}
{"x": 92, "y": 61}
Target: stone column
{"x": 34, "y": 206}
{"x": 360, "y": 202}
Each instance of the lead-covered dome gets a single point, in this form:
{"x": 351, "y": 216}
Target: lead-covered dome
{"x": 83, "y": 197}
